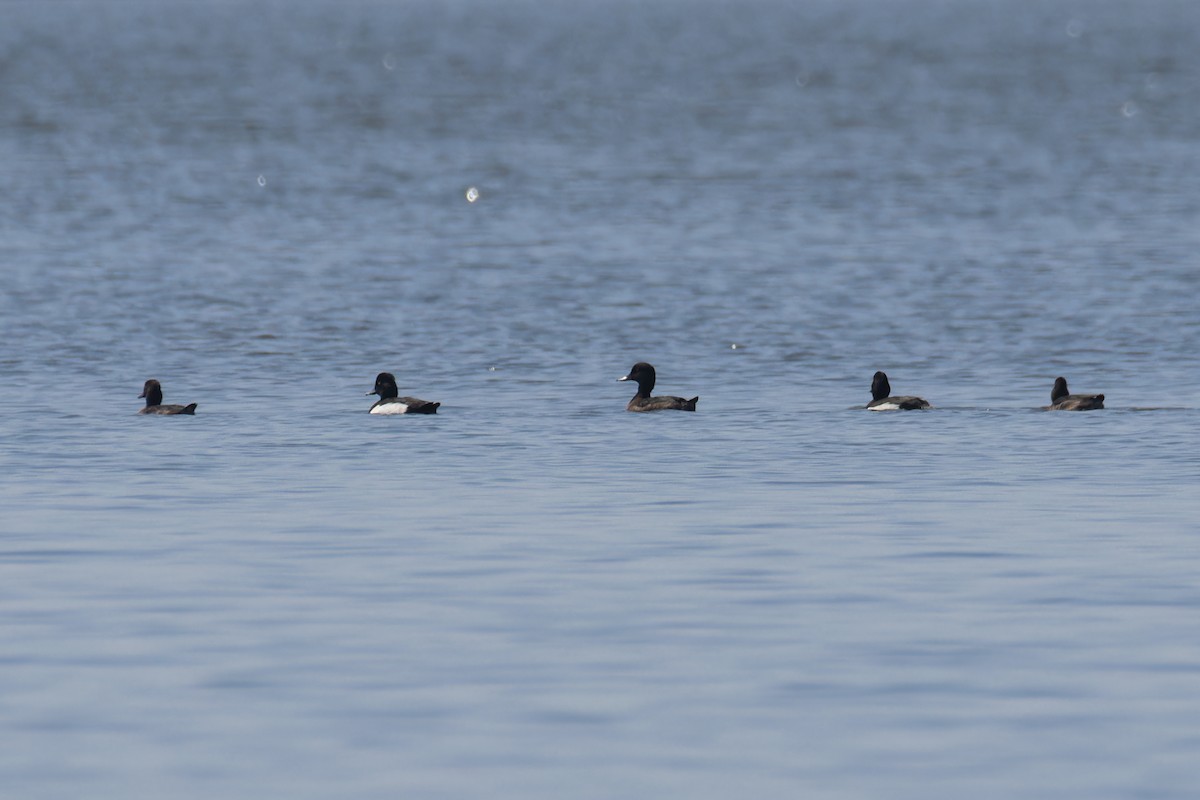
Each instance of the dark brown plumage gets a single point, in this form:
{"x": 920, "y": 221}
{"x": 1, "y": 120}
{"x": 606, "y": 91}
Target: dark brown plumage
{"x": 152, "y": 391}
{"x": 1061, "y": 399}
{"x": 644, "y": 374}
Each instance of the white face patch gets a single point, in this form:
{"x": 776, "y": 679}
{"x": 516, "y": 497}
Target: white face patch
{"x": 389, "y": 408}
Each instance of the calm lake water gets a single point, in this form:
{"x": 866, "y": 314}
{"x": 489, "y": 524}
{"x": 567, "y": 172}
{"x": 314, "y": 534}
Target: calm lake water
{"x": 534, "y": 594}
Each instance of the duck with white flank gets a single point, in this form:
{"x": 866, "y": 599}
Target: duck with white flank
{"x": 881, "y": 399}
{"x": 391, "y": 403}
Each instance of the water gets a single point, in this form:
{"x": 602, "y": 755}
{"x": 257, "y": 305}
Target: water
{"x": 534, "y": 594}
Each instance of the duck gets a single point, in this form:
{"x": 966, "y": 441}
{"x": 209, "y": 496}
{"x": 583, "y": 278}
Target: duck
{"x": 391, "y": 403}
{"x": 644, "y": 374}
{"x": 1061, "y": 399}
{"x": 152, "y": 391}
{"x": 881, "y": 399}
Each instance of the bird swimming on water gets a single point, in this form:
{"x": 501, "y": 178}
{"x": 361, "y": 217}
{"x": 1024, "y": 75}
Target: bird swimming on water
{"x": 391, "y": 403}
{"x": 882, "y": 401}
{"x": 643, "y": 373}
{"x": 152, "y": 391}
{"x": 1061, "y": 399}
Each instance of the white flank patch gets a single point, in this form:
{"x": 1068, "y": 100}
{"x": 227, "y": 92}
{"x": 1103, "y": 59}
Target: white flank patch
{"x": 885, "y": 407}
{"x": 390, "y": 408}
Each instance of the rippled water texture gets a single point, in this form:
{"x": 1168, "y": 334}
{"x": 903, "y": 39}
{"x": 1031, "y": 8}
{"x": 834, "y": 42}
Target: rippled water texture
{"x": 534, "y": 594}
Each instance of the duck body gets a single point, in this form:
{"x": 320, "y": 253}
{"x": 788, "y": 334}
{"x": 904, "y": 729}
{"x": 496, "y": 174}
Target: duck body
{"x": 390, "y": 401}
{"x": 152, "y": 391}
{"x": 1061, "y": 399}
{"x": 167, "y": 409}
{"x": 645, "y": 377}
{"x": 662, "y": 403}
{"x": 404, "y": 405}
{"x": 881, "y": 399}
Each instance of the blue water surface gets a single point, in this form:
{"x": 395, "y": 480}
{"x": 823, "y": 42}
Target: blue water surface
{"x": 534, "y": 594}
